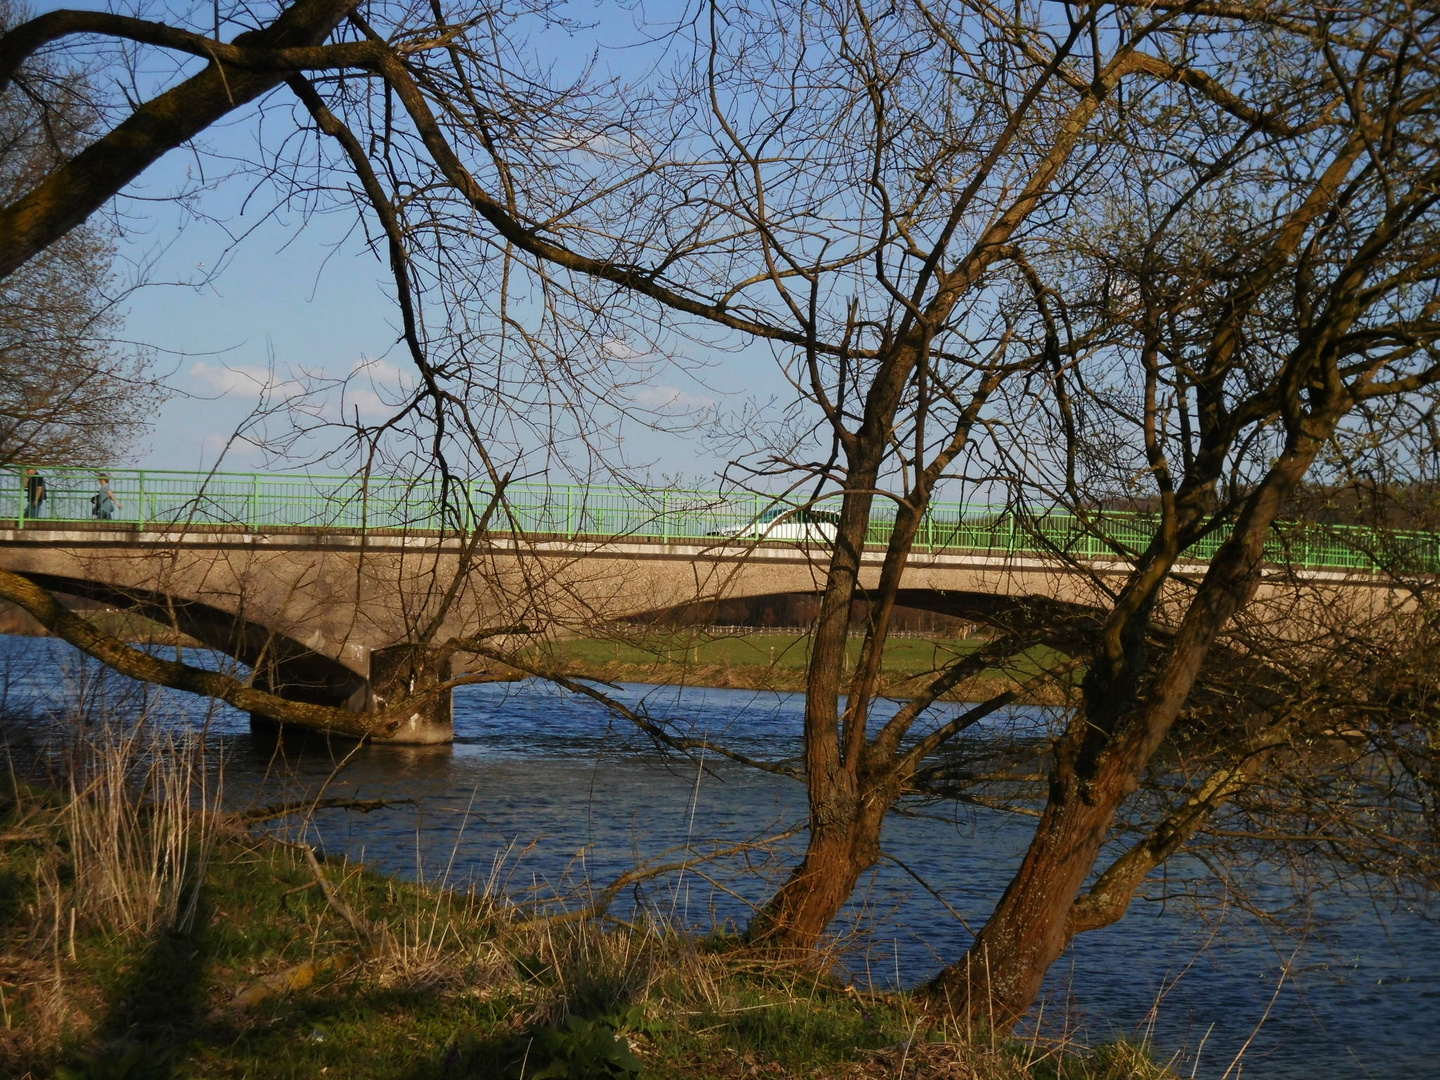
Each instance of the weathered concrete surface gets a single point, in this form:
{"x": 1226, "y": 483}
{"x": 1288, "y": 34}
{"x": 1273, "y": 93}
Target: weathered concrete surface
{"x": 335, "y": 617}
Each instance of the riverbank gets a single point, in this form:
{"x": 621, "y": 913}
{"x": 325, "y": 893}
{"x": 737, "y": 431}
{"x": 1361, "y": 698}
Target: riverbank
{"x": 158, "y": 939}
{"x": 770, "y": 660}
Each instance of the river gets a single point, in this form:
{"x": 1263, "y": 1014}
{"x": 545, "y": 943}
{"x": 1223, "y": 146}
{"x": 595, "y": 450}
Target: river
{"x": 543, "y": 795}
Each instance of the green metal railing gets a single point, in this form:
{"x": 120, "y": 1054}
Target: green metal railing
{"x": 159, "y": 498}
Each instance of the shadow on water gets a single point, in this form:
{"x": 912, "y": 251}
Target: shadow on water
{"x": 315, "y": 752}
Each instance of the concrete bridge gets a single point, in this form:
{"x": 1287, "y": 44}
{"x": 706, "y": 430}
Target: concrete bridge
{"x": 330, "y": 610}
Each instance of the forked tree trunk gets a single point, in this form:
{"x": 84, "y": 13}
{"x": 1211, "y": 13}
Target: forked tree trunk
{"x": 844, "y": 816}
{"x": 844, "y": 838}
{"x": 1002, "y": 972}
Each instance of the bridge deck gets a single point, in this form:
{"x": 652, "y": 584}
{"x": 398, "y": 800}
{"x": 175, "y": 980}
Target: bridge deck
{"x": 167, "y": 503}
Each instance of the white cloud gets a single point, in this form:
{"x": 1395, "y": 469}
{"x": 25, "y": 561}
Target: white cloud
{"x": 621, "y": 349}
{"x": 601, "y": 145}
{"x": 670, "y": 400}
{"x": 214, "y": 379}
{"x": 374, "y": 387}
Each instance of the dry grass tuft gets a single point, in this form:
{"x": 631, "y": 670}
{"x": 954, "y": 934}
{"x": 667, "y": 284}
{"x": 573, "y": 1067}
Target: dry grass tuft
{"x": 139, "y": 828}
{"x": 117, "y": 848}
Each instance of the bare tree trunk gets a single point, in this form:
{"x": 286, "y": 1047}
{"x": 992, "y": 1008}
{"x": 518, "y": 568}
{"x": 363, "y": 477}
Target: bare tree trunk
{"x": 841, "y": 848}
{"x": 845, "y": 815}
{"x": 1001, "y": 975}
{"x": 1098, "y": 766}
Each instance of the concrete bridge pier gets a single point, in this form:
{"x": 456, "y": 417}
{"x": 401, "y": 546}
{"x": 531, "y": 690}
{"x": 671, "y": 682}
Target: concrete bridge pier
{"x": 405, "y": 671}
{"x": 396, "y": 673}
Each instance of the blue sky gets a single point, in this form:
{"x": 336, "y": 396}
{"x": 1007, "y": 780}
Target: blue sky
{"x": 225, "y": 317}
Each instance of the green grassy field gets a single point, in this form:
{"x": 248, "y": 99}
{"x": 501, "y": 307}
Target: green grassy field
{"x": 774, "y": 661}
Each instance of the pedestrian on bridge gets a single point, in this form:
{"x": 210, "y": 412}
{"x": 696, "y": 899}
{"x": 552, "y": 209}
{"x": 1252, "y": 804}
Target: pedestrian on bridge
{"x": 104, "y": 500}
{"x": 34, "y": 493}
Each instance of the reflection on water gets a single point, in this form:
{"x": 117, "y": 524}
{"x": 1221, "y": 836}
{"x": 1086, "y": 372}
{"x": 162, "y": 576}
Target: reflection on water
{"x": 543, "y": 794}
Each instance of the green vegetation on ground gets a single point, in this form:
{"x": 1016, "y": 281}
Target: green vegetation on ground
{"x": 778, "y": 661}
{"x": 153, "y": 938}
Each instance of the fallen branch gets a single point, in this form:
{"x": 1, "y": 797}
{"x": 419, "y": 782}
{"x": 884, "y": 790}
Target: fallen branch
{"x": 286, "y": 981}
{"x": 274, "y": 811}
{"x": 363, "y": 930}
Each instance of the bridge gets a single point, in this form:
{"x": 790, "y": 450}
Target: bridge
{"x": 325, "y": 585}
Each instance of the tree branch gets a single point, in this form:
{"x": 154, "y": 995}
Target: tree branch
{"x": 71, "y": 193}
{"x": 137, "y": 664}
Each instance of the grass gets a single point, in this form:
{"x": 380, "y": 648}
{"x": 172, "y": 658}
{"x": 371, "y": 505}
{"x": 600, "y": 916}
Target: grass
{"x": 777, "y": 661}
{"x": 236, "y": 955}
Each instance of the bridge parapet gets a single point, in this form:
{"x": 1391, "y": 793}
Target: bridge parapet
{"x": 152, "y": 500}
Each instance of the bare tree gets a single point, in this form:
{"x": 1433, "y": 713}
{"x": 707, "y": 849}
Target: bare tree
{"x": 926, "y": 233}
{"x": 1279, "y": 281}
{"x": 68, "y": 392}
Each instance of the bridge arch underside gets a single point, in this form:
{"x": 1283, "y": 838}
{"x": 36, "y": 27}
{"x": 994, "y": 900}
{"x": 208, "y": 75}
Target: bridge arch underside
{"x": 790, "y": 608}
{"x": 278, "y": 663}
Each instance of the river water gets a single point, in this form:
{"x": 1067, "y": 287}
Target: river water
{"x": 544, "y": 795}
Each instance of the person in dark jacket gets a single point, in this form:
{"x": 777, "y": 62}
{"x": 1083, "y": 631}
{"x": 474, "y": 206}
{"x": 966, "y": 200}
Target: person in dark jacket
{"x": 34, "y": 493}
